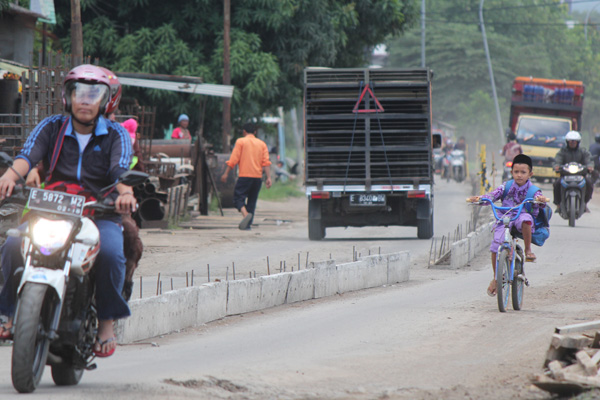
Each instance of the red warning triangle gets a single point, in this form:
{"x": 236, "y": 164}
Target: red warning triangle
{"x": 379, "y": 107}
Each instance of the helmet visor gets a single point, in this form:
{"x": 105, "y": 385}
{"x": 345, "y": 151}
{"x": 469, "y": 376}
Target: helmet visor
{"x": 89, "y": 94}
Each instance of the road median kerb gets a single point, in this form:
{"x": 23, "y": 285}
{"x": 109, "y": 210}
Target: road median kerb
{"x": 465, "y": 250}
{"x": 194, "y": 306}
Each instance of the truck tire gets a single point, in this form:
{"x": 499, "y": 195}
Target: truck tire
{"x": 425, "y": 227}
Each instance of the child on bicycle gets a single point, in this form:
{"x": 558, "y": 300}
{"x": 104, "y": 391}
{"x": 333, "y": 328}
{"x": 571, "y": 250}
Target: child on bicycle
{"x": 521, "y": 172}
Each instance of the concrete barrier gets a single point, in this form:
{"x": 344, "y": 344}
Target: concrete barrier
{"x": 197, "y": 305}
{"x": 301, "y": 286}
{"x": 465, "y": 250}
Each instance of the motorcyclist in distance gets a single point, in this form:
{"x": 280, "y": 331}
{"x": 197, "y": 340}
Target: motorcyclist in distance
{"x": 573, "y": 152}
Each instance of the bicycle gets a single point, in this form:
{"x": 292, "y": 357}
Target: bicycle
{"x": 510, "y": 273}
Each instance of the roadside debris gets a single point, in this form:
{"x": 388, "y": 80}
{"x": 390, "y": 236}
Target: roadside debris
{"x": 571, "y": 364}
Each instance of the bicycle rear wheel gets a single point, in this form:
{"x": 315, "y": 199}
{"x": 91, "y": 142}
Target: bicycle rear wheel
{"x": 502, "y": 279}
{"x": 518, "y": 283}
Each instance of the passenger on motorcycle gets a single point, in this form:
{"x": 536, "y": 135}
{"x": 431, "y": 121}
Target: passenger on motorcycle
{"x": 511, "y": 149}
{"x": 93, "y": 153}
{"x": 522, "y": 171}
{"x": 573, "y": 152}
{"x": 595, "y": 152}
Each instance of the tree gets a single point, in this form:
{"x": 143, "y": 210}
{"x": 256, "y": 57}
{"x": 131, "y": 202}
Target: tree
{"x": 525, "y": 39}
{"x": 271, "y": 43}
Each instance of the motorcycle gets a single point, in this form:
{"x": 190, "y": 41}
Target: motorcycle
{"x": 572, "y": 191}
{"x": 457, "y": 162}
{"x": 507, "y": 171}
{"x": 55, "y": 322}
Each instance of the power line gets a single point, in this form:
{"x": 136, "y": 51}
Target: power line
{"x": 511, "y": 23}
{"x": 549, "y": 4}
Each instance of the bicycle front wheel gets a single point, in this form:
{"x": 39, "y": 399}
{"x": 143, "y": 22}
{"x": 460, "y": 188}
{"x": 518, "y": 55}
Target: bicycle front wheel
{"x": 518, "y": 283}
{"x": 502, "y": 279}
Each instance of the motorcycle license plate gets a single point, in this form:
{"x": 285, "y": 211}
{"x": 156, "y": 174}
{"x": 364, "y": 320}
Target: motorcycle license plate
{"x": 367, "y": 199}
{"x": 57, "y": 202}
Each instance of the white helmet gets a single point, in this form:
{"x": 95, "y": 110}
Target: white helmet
{"x": 573, "y": 135}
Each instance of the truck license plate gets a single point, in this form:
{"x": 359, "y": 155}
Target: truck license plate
{"x": 367, "y": 199}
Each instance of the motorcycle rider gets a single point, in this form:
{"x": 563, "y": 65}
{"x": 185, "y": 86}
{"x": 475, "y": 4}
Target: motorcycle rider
{"x": 511, "y": 149}
{"x": 93, "y": 153}
{"x": 573, "y": 152}
{"x": 595, "y": 152}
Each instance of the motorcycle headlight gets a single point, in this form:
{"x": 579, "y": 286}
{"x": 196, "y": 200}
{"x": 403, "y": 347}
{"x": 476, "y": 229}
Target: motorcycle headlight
{"x": 50, "y": 235}
{"x": 573, "y": 168}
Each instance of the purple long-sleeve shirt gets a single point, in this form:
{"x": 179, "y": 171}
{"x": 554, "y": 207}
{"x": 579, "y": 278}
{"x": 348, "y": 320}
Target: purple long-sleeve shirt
{"x": 516, "y": 194}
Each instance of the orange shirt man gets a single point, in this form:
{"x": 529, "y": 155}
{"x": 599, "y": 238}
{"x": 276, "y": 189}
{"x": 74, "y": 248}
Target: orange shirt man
{"x": 252, "y": 156}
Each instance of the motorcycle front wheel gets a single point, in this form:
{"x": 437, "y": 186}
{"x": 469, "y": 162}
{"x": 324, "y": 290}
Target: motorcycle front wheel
{"x": 573, "y": 207}
{"x": 31, "y": 342}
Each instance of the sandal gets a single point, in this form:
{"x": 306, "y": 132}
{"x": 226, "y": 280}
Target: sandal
{"x": 530, "y": 257}
{"x": 6, "y": 332}
{"x": 491, "y": 292}
{"x": 101, "y": 343}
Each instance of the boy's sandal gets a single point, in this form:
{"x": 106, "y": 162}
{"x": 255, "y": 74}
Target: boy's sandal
{"x": 530, "y": 257}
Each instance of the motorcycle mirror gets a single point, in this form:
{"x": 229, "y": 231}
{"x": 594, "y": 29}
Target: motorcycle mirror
{"x": 436, "y": 140}
{"x": 133, "y": 178}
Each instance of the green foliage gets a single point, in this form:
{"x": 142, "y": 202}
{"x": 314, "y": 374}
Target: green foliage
{"x": 280, "y": 191}
{"x": 272, "y": 41}
{"x": 525, "y": 38}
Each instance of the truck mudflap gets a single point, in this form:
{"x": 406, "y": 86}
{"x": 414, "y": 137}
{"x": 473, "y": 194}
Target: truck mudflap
{"x": 424, "y": 209}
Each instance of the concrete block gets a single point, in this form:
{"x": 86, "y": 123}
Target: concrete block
{"x": 212, "y": 302}
{"x": 301, "y": 286}
{"x": 159, "y": 315}
{"x": 473, "y": 239}
{"x": 354, "y": 276}
{"x": 326, "y": 281}
{"x": 459, "y": 254}
{"x": 243, "y": 296}
{"x": 398, "y": 265}
{"x": 273, "y": 290}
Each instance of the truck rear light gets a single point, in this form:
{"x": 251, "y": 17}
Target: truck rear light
{"x": 416, "y": 194}
{"x": 319, "y": 195}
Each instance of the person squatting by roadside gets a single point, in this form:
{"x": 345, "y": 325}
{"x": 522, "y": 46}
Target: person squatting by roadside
{"x": 182, "y": 131}
{"x": 522, "y": 171}
{"x": 252, "y": 155}
{"x": 573, "y": 152}
{"x": 92, "y": 152}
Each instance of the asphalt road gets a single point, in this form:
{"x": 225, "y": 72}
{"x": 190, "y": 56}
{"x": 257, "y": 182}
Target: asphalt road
{"x": 437, "y": 336}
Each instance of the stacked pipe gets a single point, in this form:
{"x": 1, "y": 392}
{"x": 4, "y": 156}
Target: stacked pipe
{"x": 151, "y": 201}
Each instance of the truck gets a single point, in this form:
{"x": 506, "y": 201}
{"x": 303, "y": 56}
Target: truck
{"x": 368, "y": 148}
{"x": 542, "y": 111}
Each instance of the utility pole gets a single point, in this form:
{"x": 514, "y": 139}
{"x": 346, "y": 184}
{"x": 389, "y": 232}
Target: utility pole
{"x": 226, "y": 76}
{"x": 491, "y": 71}
{"x": 422, "y": 33}
{"x": 76, "y": 34}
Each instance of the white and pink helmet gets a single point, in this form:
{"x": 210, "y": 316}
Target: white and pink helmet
{"x": 88, "y": 75}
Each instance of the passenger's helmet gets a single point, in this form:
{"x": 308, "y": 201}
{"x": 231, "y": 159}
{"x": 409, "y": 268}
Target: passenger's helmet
{"x": 573, "y": 135}
{"x": 115, "y": 91}
{"x": 88, "y": 75}
{"x": 597, "y": 138}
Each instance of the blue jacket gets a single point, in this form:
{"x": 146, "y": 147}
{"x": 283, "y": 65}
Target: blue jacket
{"x": 107, "y": 155}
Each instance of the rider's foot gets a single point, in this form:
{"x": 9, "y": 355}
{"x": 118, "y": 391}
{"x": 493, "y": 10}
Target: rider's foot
{"x": 587, "y": 210}
{"x": 557, "y": 209}
{"x": 491, "y": 290}
{"x": 529, "y": 256}
{"x": 106, "y": 343}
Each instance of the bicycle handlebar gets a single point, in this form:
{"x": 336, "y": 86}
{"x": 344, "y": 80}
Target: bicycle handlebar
{"x": 519, "y": 207}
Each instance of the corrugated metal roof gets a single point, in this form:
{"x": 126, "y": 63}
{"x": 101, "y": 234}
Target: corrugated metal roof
{"x": 193, "y": 88}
